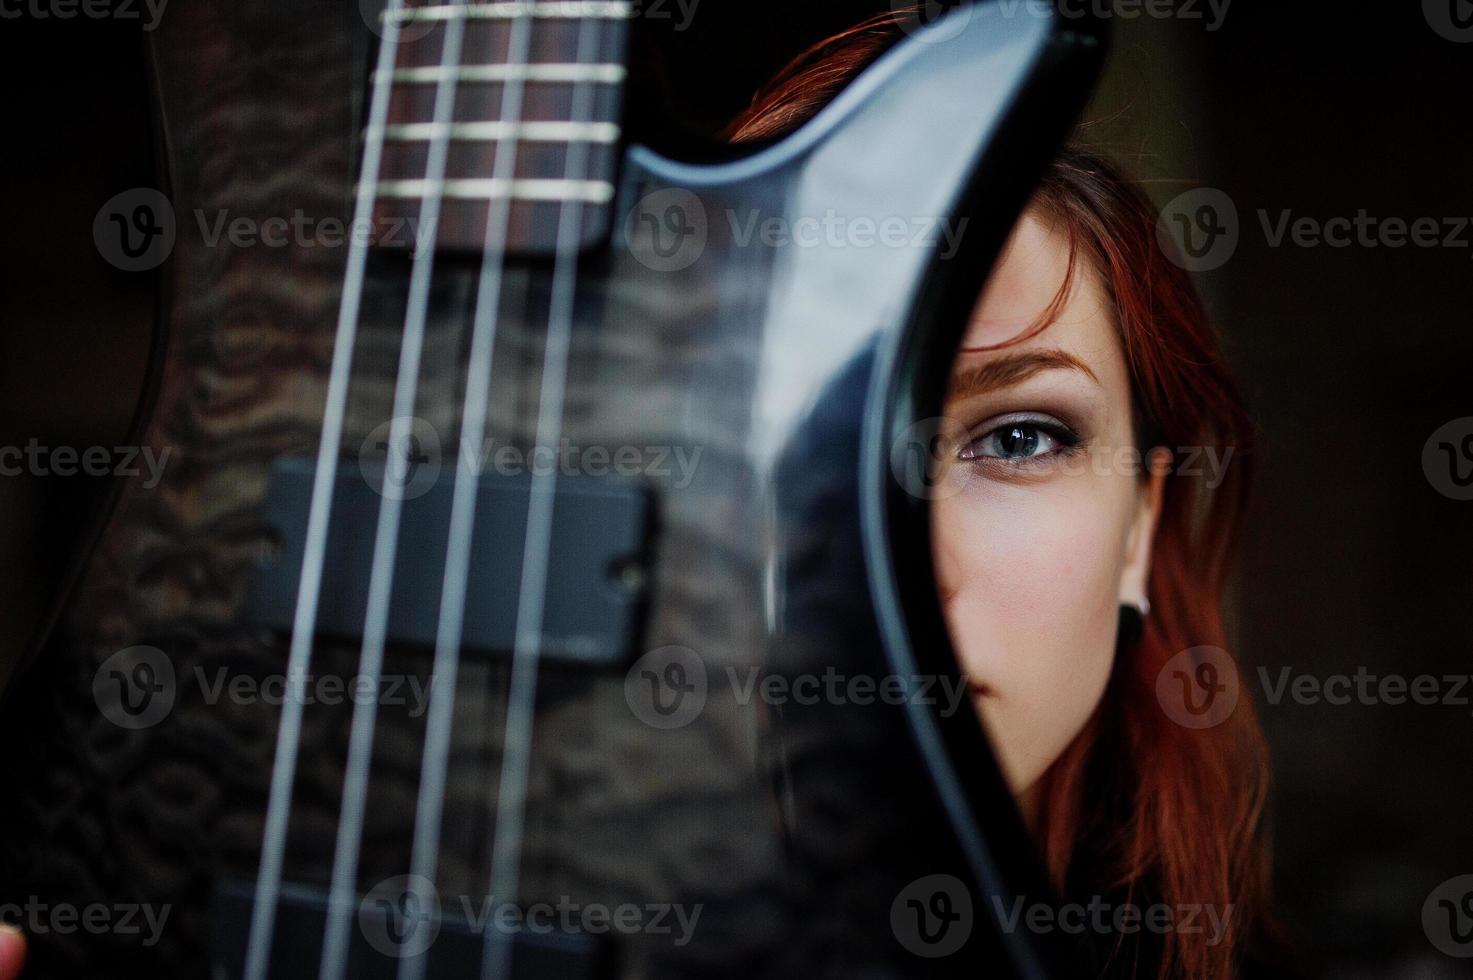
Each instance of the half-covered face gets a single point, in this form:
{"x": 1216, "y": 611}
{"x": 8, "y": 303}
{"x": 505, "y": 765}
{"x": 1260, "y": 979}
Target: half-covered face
{"x": 1047, "y": 526}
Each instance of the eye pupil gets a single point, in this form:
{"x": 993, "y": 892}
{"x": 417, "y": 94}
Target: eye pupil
{"x": 1018, "y": 440}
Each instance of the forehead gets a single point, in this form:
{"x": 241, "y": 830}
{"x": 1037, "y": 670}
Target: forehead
{"x": 1029, "y": 273}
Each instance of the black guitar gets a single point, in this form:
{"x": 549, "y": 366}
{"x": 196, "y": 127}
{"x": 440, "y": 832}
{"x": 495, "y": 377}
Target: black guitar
{"x": 539, "y": 584}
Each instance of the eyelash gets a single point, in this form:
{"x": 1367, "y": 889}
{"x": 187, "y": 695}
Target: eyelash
{"x": 1064, "y": 438}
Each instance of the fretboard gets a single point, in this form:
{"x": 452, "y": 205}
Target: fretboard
{"x": 566, "y": 135}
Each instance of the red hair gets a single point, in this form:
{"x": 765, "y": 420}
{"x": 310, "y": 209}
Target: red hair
{"x": 1138, "y": 809}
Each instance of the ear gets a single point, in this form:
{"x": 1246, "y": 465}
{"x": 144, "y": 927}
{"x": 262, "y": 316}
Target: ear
{"x": 1136, "y": 571}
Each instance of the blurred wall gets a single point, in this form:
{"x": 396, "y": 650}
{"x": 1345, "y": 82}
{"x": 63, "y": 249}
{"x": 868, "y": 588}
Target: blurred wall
{"x": 1355, "y": 559}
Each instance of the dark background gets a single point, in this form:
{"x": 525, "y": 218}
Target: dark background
{"x": 1351, "y": 358}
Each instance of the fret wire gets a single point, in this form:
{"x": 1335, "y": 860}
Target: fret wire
{"x": 549, "y": 72}
{"x": 551, "y": 9}
{"x": 534, "y": 132}
{"x": 485, "y": 189}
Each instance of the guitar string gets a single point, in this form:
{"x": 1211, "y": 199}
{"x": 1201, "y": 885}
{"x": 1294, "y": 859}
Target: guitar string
{"x": 341, "y": 900}
{"x": 304, "y": 622}
{"x": 429, "y": 801}
{"x": 511, "y": 800}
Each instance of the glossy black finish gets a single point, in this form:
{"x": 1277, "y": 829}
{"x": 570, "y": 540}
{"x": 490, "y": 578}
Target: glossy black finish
{"x": 807, "y": 834}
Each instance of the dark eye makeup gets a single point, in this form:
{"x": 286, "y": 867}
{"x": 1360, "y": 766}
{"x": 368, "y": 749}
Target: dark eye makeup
{"x": 1020, "y": 439}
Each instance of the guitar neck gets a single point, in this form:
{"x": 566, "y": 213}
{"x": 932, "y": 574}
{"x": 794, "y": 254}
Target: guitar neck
{"x": 513, "y": 105}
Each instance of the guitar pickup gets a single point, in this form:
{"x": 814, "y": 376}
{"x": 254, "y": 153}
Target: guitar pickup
{"x": 595, "y": 568}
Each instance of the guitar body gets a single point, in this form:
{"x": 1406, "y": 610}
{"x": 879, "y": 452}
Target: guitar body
{"x": 759, "y": 387}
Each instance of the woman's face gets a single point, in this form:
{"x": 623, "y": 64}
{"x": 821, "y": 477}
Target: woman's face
{"x": 1047, "y": 528}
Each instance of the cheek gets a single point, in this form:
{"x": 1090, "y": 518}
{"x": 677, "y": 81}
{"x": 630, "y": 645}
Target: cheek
{"x": 1031, "y": 578}
{"x": 1029, "y": 572}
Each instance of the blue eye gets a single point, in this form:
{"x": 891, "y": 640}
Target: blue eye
{"x": 1019, "y": 441}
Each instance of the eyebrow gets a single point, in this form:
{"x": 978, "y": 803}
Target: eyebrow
{"x": 1011, "y": 369}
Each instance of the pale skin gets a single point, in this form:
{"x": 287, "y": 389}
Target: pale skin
{"x": 1049, "y": 523}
